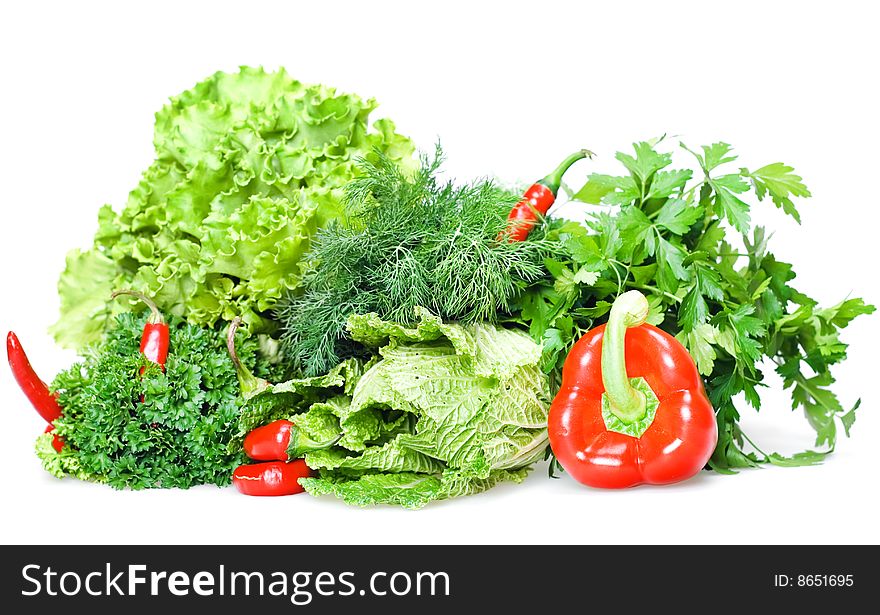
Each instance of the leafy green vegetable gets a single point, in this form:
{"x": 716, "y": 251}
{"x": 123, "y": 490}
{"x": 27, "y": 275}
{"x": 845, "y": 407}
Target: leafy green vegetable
{"x": 407, "y": 242}
{"x": 444, "y": 409}
{"x": 248, "y": 166}
{"x": 158, "y": 429}
{"x": 733, "y": 308}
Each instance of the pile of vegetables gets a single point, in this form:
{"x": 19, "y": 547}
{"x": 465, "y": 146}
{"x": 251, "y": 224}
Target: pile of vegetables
{"x": 358, "y": 327}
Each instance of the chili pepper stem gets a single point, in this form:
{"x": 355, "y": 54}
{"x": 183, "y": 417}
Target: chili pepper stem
{"x": 301, "y": 444}
{"x": 250, "y": 384}
{"x": 626, "y": 403}
{"x": 554, "y": 180}
{"x": 155, "y": 315}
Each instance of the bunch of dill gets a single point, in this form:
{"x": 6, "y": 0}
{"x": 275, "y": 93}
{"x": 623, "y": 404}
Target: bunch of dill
{"x": 405, "y": 242}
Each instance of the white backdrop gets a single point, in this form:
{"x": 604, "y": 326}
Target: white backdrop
{"x": 510, "y": 88}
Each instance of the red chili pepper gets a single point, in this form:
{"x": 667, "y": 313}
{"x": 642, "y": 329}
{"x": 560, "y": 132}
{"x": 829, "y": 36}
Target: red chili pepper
{"x": 44, "y": 401}
{"x": 57, "y": 441}
{"x": 280, "y": 441}
{"x": 274, "y": 443}
{"x": 537, "y": 201}
{"x": 271, "y": 477}
{"x": 269, "y": 442}
{"x": 156, "y": 335}
{"x": 632, "y": 408}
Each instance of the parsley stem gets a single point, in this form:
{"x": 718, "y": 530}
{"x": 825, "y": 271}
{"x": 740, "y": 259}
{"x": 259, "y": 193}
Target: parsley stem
{"x": 656, "y": 290}
{"x": 754, "y": 446}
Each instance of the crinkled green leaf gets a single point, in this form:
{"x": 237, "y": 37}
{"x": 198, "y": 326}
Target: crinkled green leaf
{"x": 391, "y": 457}
{"x": 84, "y": 289}
{"x": 447, "y": 409}
{"x": 284, "y": 400}
{"x": 248, "y": 167}
{"x": 407, "y": 489}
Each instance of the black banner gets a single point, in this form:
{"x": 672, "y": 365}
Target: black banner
{"x": 435, "y": 579}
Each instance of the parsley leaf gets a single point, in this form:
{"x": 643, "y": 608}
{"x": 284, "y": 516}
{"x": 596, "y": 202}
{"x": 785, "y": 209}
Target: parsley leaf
{"x": 646, "y": 162}
{"x": 694, "y": 309}
{"x": 731, "y": 206}
{"x": 780, "y": 183}
{"x": 678, "y": 216}
{"x": 667, "y": 182}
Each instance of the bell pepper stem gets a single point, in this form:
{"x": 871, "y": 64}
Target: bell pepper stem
{"x": 554, "y": 180}
{"x": 626, "y": 403}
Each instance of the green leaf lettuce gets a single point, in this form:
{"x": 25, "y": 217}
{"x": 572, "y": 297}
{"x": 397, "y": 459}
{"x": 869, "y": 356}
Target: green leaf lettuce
{"x": 248, "y": 166}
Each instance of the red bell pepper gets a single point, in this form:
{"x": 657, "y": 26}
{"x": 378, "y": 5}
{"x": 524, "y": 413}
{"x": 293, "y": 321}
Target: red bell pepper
{"x": 632, "y": 408}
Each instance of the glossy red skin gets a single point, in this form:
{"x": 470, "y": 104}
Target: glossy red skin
{"x": 678, "y": 442}
{"x": 271, "y": 478}
{"x": 523, "y": 216}
{"x": 269, "y": 442}
{"x": 154, "y": 343}
{"x": 44, "y": 401}
{"x": 57, "y": 442}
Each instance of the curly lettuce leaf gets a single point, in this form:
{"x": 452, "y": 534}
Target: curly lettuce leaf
{"x": 248, "y": 167}
{"x": 84, "y": 287}
{"x": 392, "y": 457}
{"x": 61, "y": 464}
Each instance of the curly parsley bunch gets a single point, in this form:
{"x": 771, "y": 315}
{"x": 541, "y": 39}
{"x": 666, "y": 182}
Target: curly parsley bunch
{"x": 156, "y": 429}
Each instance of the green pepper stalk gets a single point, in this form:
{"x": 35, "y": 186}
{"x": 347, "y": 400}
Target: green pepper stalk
{"x": 250, "y": 384}
{"x": 625, "y": 401}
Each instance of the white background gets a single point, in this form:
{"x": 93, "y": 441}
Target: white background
{"x": 510, "y": 88}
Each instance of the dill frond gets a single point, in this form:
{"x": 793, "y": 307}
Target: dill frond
{"x": 407, "y": 242}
